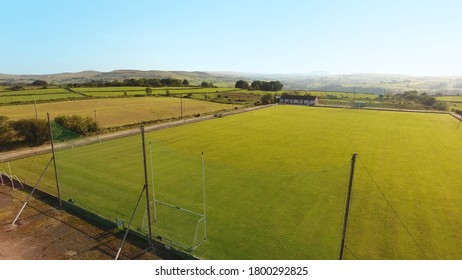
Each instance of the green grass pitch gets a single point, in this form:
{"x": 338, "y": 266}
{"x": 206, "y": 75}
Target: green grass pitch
{"x": 276, "y": 181}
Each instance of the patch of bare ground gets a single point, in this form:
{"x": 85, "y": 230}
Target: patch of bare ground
{"x": 44, "y": 232}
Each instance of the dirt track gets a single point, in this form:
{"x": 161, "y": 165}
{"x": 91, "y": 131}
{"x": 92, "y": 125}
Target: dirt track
{"x": 46, "y": 233}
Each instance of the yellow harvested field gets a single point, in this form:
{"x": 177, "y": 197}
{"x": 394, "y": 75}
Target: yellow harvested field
{"x": 111, "y": 112}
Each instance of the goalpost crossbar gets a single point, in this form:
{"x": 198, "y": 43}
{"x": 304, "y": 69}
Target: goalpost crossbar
{"x": 179, "y": 208}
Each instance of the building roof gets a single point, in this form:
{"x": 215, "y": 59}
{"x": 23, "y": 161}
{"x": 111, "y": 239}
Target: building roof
{"x": 299, "y": 97}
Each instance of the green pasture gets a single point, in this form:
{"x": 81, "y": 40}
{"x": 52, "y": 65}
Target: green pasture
{"x": 121, "y": 91}
{"x": 47, "y": 91}
{"x": 450, "y": 98}
{"x": 276, "y": 180}
{"x": 29, "y": 95}
{"x": 341, "y": 95}
{"x": 39, "y": 97}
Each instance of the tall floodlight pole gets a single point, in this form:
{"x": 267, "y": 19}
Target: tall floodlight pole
{"x": 146, "y": 185}
{"x": 347, "y": 206}
{"x": 203, "y": 196}
{"x": 54, "y": 159}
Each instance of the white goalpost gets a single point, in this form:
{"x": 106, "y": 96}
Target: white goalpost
{"x": 174, "y": 225}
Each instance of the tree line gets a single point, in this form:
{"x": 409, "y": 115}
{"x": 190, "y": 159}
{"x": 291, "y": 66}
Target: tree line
{"x": 35, "y": 132}
{"x": 260, "y": 85}
{"x": 168, "y": 82}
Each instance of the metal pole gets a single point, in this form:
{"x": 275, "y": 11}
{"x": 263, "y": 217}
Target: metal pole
{"x": 129, "y": 224}
{"x": 32, "y": 192}
{"x": 152, "y": 182}
{"x": 347, "y": 206}
{"x": 146, "y": 185}
{"x": 203, "y": 195}
{"x": 11, "y": 175}
{"x": 54, "y": 160}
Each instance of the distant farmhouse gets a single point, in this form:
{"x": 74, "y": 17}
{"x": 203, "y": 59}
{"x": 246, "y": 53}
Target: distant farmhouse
{"x": 306, "y": 100}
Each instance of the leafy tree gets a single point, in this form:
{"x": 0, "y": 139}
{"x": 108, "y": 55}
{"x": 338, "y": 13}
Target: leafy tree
{"x": 185, "y": 83}
{"x": 242, "y": 84}
{"x": 78, "y": 124}
{"x": 205, "y": 84}
{"x": 428, "y": 101}
{"x": 148, "y": 91}
{"x": 267, "y": 86}
{"x": 32, "y": 131}
{"x": 39, "y": 83}
{"x": 267, "y": 99}
{"x": 16, "y": 88}
{"x": 7, "y": 133}
{"x": 256, "y": 85}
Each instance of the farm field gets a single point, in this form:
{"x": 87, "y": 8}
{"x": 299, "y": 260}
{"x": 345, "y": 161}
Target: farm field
{"x": 276, "y": 182}
{"x": 29, "y": 95}
{"x": 113, "y": 112}
{"x": 450, "y": 98}
{"x": 121, "y": 91}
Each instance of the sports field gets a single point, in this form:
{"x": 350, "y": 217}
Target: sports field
{"x": 276, "y": 182}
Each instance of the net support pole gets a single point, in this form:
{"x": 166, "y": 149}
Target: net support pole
{"x": 31, "y": 193}
{"x": 54, "y": 160}
{"x": 152, "y": 182}
{"x": 11, "y": 175}
{"x": 129, "y": 225}
{"x": 146, "y": 185}
{"x": 347, "y": 206}
{"x": 203, "y": 196}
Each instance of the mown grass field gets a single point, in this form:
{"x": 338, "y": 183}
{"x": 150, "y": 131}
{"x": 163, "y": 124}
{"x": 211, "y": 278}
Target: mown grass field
{"x": 111, "y": 112}
{"x": 276, "y": 180}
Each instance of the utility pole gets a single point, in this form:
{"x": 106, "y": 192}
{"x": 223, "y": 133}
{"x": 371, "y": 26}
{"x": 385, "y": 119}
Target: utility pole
{"x": 35, "y": 107}
{"x": 96, "y": 124}
{"x": 347, "y": 206}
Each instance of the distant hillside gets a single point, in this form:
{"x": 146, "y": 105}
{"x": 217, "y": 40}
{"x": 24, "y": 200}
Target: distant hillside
{"x": 361, "y": 83}
{"x": 64, "y": 78}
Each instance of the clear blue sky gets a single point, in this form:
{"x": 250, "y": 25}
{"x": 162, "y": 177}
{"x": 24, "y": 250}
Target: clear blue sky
{"x": 287, "y": 36}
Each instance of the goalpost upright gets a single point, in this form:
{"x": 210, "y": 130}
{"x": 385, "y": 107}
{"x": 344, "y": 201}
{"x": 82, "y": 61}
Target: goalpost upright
{"x": 203, "y": 196}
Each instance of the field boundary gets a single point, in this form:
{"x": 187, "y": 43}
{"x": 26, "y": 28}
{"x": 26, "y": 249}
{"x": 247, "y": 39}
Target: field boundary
{"x": 18, "y": 154}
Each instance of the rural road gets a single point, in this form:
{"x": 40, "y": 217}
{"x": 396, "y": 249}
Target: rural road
{"x": 17, "y": 154}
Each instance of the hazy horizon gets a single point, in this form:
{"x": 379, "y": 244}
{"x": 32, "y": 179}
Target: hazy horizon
{"x": 271, "y": 37}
